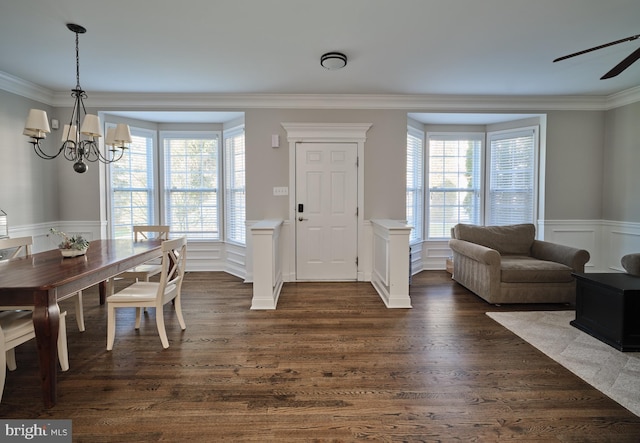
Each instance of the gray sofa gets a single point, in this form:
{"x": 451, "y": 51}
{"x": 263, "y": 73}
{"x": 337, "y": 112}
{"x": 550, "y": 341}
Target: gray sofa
{"x": 506, "y": 264}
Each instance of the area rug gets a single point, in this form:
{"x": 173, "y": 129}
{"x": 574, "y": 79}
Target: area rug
{"x": 615, "y": 373}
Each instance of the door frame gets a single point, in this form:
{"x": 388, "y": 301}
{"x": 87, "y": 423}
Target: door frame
{"x": 324, "y": 133}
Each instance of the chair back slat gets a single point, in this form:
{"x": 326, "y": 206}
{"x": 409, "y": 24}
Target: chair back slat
{"x": 174, "y": 257}
{"x": 145, "y": 232}
{"x": 21, "y": 245}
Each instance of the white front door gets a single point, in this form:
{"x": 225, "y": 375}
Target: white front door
{"x": 326, "y": 211}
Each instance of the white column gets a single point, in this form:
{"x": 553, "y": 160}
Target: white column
{"x": 390, "y": 276}
{"x": 267, "y": 264}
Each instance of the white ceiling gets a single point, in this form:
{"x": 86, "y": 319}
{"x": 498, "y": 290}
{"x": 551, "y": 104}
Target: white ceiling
{"x": 459, "y": 47}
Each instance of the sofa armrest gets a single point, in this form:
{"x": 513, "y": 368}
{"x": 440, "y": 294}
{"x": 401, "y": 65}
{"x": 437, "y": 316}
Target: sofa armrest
{"x": 572, "y": 257}
{"x": 476, "y": 252}
{"x": 477, "y": 268}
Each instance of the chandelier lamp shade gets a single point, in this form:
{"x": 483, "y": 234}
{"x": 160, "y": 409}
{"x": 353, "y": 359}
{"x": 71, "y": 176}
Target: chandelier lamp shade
{"x": 81, "y": 137}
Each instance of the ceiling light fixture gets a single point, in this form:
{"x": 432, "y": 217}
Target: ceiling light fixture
{"x": 80, "y": 143}
{"x": 333, "y": 60}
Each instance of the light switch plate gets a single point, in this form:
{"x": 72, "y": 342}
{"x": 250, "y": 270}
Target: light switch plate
{"x": 281, "y": 190}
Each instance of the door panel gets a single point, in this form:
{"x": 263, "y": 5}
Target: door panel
{"x": 326, "y": 228}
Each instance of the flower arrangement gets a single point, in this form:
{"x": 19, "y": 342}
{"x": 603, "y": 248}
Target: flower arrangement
{"x": 76, "y": 242}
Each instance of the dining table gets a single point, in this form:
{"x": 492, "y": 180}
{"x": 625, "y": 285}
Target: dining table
{"x": 39, "y": 279}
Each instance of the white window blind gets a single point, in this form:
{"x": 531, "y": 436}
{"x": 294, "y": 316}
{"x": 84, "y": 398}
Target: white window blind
{"x": 455, "y": 177}
{"x": 234, "y": 184}
{"x": 415, "y": 183}
{"x": 512, "y": 177}
{"x": 191, "y": 184}
{"x": 132, "y": 186}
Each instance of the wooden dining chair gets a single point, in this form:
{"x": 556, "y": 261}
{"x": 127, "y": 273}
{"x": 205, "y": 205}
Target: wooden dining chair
{"x": 16, "y": 327}
{"x": 145, "y": 271}
{"x": 22, "y": 246}
{"x": 17, "y": 246}
{"x": 146, "y": 294}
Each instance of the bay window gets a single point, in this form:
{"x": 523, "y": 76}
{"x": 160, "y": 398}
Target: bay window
{"x": 476, "y": 178}
{"x": 178, "y": 182}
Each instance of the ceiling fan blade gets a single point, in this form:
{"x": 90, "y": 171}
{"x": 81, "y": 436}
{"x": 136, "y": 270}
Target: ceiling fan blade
{"x": 628, "y": 39}
{"x": 624, "y": 64}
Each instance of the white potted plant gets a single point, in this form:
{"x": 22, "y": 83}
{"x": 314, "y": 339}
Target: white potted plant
{"x": 71, "y": 246}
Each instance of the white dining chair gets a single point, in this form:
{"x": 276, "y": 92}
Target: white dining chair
{"x": 16, "y": 327}
{"x": 147, "y": 270}
{"x": 145, "y": 294}
{"x": 22, "y": 247}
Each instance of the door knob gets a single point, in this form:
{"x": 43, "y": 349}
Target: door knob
{"x": 302, "y": 219}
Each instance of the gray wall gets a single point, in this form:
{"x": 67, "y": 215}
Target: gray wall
{"x": 384, "y": 163}
{"x": 622, "y": 164}
{"x": 573, "y": 165}
{"x": 28, "y": 185}
{"x": 591, "y": 157}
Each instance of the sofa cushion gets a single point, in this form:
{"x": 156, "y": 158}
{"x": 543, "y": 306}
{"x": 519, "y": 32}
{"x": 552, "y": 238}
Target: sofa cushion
{"x": 631, "y": 264}
{"x": 524, "y": 269}
{"x": 512, "y": 239}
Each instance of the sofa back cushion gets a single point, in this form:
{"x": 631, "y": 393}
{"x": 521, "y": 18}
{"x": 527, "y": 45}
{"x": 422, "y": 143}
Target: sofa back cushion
{"x": 507, "y": 240}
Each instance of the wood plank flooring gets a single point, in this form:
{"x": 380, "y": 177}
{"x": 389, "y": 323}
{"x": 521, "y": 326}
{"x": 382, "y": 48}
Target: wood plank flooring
{"x": 330, "y": 364}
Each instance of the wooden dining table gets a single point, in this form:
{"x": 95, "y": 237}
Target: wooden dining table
{"x": 40, "y": 279}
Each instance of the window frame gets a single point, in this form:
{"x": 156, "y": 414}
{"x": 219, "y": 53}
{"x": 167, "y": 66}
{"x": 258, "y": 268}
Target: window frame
{"x": 154, "y": 212}
{"x": 418, "y": 222}
{"x": 162, "y": 177}
{"x": 229, "y": 134}
{"x": 479, "y": 137}
{"x": 524, "y": 131}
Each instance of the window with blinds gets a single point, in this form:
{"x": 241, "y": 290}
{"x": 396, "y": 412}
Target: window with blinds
{"x": 455, "y": 178}
{"x": 234, "y": 185}
{"x": 132, "y": 186}
{"x": 191, "y": 199}
{"x": 415, "y": 183}
{"x": 512, "y": 177}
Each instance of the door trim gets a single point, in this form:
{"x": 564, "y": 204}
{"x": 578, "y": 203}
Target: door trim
{"x": 325, "y": 133}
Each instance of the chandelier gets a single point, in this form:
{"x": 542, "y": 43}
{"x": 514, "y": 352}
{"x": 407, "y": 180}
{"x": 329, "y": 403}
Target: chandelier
{"x": 80, "y": 143}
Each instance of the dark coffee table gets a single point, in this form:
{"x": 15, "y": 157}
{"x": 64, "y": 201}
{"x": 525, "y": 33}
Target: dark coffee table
{"x": 608, "y": 308}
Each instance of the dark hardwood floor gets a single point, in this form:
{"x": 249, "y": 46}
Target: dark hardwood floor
{"x": 330, "y": 364}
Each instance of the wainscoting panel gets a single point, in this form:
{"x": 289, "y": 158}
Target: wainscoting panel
{"x": 416, "y": 263}
{"x": 236, "y": 259}
{"x": 434, "y": 254}
{"x": 380, "y": 259}
{"x": 43, "y": 240}
{"x": 582, "y": 234}
{"x": 620, "y": 239}
{"x": 201, "y": 256}
{"x": 607, "y": 242}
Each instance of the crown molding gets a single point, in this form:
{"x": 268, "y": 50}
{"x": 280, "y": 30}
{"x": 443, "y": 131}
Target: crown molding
{"x": 26, "y": 89}
{"x": 410, "y": 103}
{"x": 623, "y": 98}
